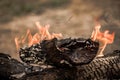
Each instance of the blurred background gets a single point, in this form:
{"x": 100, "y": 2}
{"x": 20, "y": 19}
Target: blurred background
{"x": 72, "y": 18}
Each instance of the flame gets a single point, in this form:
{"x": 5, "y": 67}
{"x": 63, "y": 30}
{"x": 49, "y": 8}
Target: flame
{"x": 43, "y": 34}
{"x": 103, "y": 37}
{"x": 17, "y": 43}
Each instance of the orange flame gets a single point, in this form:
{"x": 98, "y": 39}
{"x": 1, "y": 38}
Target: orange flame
{"x": 103, "y": 37}
{"x": 36, "y": 38}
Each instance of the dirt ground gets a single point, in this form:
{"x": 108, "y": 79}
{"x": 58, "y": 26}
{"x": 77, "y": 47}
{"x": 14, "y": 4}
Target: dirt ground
{"x": 72, "y": 18}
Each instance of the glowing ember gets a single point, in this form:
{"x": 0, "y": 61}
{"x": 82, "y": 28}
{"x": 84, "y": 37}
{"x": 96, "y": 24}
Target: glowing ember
{"x": 36, "y": 38}
{"x": 103, "y": 37}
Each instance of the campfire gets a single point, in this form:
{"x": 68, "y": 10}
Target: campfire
{"x": 103, "y": 38}
{"x": 47, "y": 56}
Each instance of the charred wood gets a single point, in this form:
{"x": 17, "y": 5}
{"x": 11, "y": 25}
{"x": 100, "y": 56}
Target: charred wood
{"x": 9, "y": 66}
{"x": 69, "y": 59}
{"x": 11, "y": 69}
{"x": 52, "y": 74}
{"x": 104, "y": 68}
{"x": 60, "y": 53}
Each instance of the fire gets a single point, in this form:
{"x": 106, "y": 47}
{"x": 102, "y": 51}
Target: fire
{"x": 103, "y": 37}
{"x": 43, "y": 34}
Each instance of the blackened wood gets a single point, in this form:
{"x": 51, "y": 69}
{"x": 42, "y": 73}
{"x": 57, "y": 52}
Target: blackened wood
{"x": 105, "y": 68}
{"x": 9, "y": 66}
{"x": 71, "y": 53}
{"x": 61, "y": 53}
{"x": 83, "y": 52}
{"x": 11, "y": 69}
{"x": 52, "y": 74}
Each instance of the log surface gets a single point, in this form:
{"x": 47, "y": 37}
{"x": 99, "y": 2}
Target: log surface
{"x": 101, "y": 68}
{"x": 104, "y": 68}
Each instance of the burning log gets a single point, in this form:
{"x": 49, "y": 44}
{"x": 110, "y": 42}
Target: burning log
{"x": 69, "y": 59}
{"x": 60, "y": 53}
